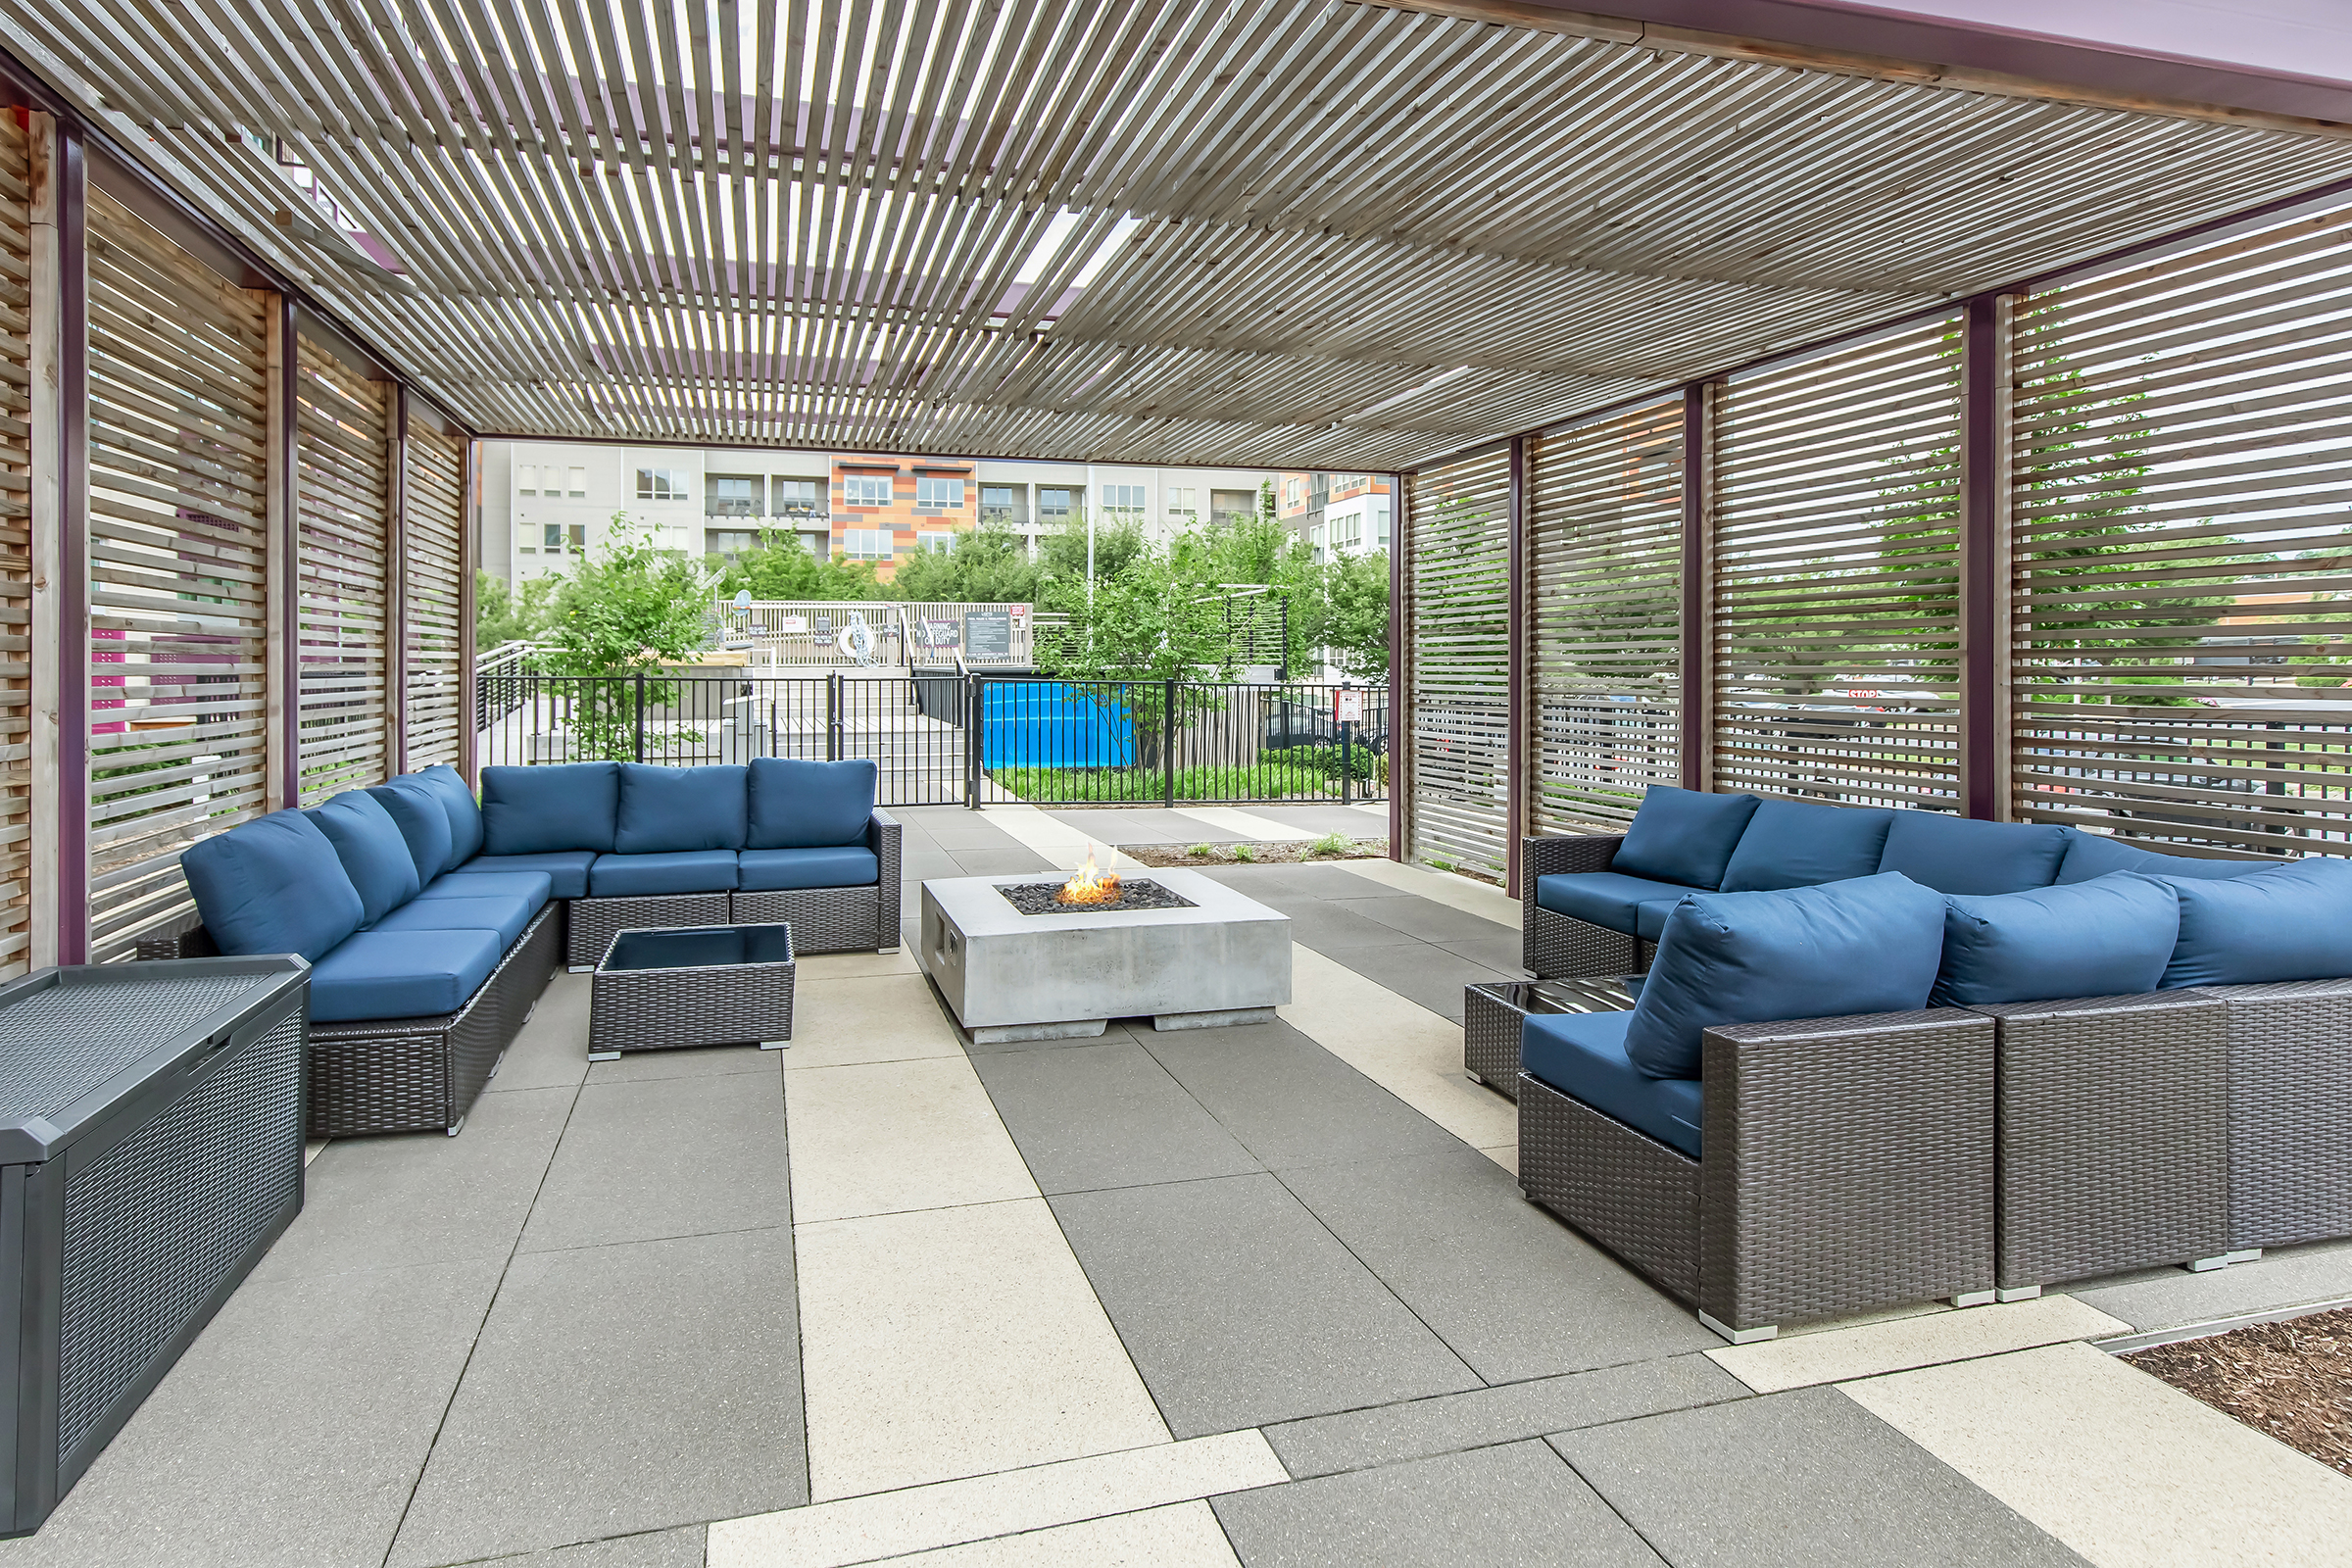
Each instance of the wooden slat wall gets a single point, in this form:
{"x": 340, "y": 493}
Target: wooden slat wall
{"x": 434, "y": 576}
{"x": 1836, "y": 558}
{"x": 15, "y": 551}
{"x": 177, "y": 535}
{"x": 343, "y": 454}
{"x": 1604, "y": 611}
{"x": 1458, "y": 595}
{"x": 2182, "y": 625}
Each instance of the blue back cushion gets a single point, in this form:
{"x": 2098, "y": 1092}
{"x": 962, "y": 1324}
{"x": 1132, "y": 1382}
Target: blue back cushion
{"x": 464, "y": 811}
{"x": 2282, "y": 922}
{"x": 374, "y": 855}
{"x": 2095, "y": 854}
{"x": 1683, "y": 836}
{"x": 1794, "y": 844}
{"x": 802, "y": 805}
{"x": 273, "y": 886}
{"x": 1957, "y": 855}
{"x": 417, "y": 811}
{"x": 2110, "y": 937}
{"x": 532, "y": 811}
{"x": 1870, "y": 945}
{"x": 667, "y": 810}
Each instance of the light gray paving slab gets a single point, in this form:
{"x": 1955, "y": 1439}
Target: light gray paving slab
{"x": 1425, "y": 918}
{"x": 970, "y": 833}
{"x": 1291, "y": 1101}
{"x": 1428, "y": 975}
{"x": 1144, "y": 825}
{"x": 1514, "y": 1291}
{"x": 1012, "y": 860}
{"x": 1805, "y": 1477}
{"x": 915, "y": 865}
{"x": 618, "y": 1390}
{"x": 289, "y": 1433}
{"x": 2172, "y": 1298}
{"x": 1514, "y": 1506}
{"x": 712, "y": 1062}
{"x": 658, "y": 1548}
{"x": 1105, "y": 1116}
{"x": 551, "y": 1051}
{"x": 1332, "y": 817}
{"x": 666, "y": 1156}
{"x": 1240, "y": 1310}
{"x": 423, "y": 1198}
{"x": 1449, "y": 1423}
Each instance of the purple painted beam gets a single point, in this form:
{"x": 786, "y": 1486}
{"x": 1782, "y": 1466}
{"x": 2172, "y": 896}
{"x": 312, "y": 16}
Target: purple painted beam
{"x": 1514, "y": 795}
{"x": 1691, "y": 750}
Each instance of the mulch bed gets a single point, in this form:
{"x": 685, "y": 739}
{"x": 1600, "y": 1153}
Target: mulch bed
{"x": 1279, "y": 853}
{"x": 2292, "y": 1380}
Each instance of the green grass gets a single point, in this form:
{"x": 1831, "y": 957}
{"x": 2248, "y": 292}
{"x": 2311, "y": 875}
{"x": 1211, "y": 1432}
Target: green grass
{"x": 1141, "y": 786}
{"x": 1202, "y": 850}
{"x": 1330, "y": 844}
{"x": 1244, "y": 853}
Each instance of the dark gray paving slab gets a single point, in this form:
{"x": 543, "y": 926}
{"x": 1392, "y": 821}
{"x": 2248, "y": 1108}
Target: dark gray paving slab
{"x": 1514, "y": 1291}
{"x": 1805, "y": 1477}
{"x": 1450, "y": 1423}
{"x": 1515, "y": 1506}
{"x": 667, "y": 1157}
{"x": 1143, "y": 824}
{"x": 1326, "y": 818}
{"x": 1291, "y": 1101}
{"x": 289, "y": 1436}
{"x": 618, "y": 1390}
{"x": 1430, "y": 976}
{"x": 1425, "y": 918}
{"x": 970, "y": 833}
{"x": 716, "y": 1061}
{"x": 1237, "y": 1309}
{"x": 384, "y": 1203}
{"x": 2172, "y": 1298}
{"x": 1106, "y": 1115}
{"x": 659, "y": 1549}
{"x": 551, "y": 1050}
{"x": 1333, "y": 928}
{"x": 1001, "y": 862}
{"x": 1112, "y": 1033}
{"x": 1501, "y": 953}
{"x": 1297, "y": 881}
{"x": 928, "y": 866}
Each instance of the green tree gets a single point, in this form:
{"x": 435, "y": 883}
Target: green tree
{"x": 781, "y": 567}
{"x": 989, "y": 565}
{"x": 627, "y": 608}
{"x": 507, "y": 615}
{"x": 1347, "y": 616}
{"x": 1117, "y": 545}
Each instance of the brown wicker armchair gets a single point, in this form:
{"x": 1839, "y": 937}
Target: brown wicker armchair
{"x": 1560, "y": 947}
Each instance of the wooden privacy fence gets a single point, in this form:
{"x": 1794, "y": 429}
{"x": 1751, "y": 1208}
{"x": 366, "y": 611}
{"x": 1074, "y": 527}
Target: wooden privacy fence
{"x": 2079, "y": 552}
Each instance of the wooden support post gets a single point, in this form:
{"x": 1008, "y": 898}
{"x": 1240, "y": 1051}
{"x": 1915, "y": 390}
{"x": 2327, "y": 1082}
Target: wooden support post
{"x": 1697, "y": 748}
{"x": 1985, "y": 558}
{"x": 1400, "y": 709}
{"x": 396, "y": 584}
{"x": 469, "y": 546}
{"x": 59, "y": 669}
{"x": 1515, "y": 749}
{"x": 282, "y": 701}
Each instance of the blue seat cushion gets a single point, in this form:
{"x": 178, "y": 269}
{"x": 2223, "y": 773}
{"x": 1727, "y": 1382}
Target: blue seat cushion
{"x": 1604, "y": 898}
{"x": 565, "y": 870}
{"x": 535, "y": 887}
{"x": 1683, "y": 836}
{"x": 402, "y": 974}
{"x": 273, "y": 885}
{"x": 621, "y": 876}
{"x": 2111, "y": 937}
{"x": 464, "y": 811}
{"x": 534, "y": 810}
{"x": 2095, "y": 854}
{"x": 839, "y": 866}
{"x": 798, "y": 805}
{"x": 1797, "y": 844}
{"x": 417, "y": 809}
{"x": 1959, "y": 855}
{"x": 664, "y": 811}
{"x": 506, "y": 913}
{"x": 374, "y": 853}
{"x": 1868, "y": 945}
{"x": 2282, "y": 922}
{"x": 1583, "y": 1055}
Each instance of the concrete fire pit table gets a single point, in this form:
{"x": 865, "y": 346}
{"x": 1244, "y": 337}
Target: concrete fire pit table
{"x": 1063, "y": 976}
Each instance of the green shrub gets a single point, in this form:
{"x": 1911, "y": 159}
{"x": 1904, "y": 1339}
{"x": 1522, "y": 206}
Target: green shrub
{"x": 1330, "y": 844}
{"x": 1202, "y": 850}
{"x": 1244, "y": 853}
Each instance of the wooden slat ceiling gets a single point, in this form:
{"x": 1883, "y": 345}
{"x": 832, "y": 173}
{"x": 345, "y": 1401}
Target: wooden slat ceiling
{"x": 1346, "y": 235}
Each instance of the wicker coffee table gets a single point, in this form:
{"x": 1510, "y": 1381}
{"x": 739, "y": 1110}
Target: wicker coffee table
{"x": 1491, "y": 1013}
{"x": 717, "y": 985}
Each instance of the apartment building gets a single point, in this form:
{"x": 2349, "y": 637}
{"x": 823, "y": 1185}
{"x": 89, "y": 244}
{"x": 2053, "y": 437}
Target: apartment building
{"x": 1337, "y": 515}
{"x": 546, "y": 504}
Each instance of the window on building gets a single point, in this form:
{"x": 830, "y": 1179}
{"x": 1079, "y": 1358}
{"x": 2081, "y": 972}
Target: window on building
{"x": 1055, "y": 505}
{"x": 662, "y": 484}
{"x": 526, "y": 479}
{"x": 732, "y": 495}
{"x": 937, "y": 543}
{"x": 579, "y": 538}
{"x": 1232, "y": 503}
{"x": 728, "y": 541}
{"x": 552, "y": 535}
{"x": 1293, "y": 492}
{"x": 865, "y": 489}
{"x": 1124, "y": 501}
{"x": 1000, "y": 502}
{"x": 938, "y": 491}
{"x": 867, "y": 544}
{"x": 1180, "y": 502}
{"x": 796, "y": 498}
{"x": 578, "y": 486}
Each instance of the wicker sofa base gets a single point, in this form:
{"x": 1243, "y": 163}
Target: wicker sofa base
{"x": 2291, "y": 1112}
{"x": 1560, "y": 947}
{"x": 593, "y": 923}
{"x": 822, "y": 919}
{"x": 1628, "y": 1191}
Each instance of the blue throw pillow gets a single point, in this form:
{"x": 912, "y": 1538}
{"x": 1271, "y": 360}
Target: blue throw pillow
{"x": 1796, "y": 844}
{"x": 1870, "y": 945}
{"x": 803, "y": 805}
{"x": 2110, "y": 937}
{"x": 415, "y": 809}
{"x": 1959, "y": 855}
{"x": 2282, "y": 922}
{"x": 535, "y": 811}
{"x": 2095, "y": 854}
{"x": 1683, "y": 836}
{"x": 464, "y": 811}
{"x": 671, "y": 811}
{"x": 273, "y": 885}
{"x": 374, "y": 855}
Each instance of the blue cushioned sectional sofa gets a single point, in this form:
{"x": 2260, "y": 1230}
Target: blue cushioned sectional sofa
{"x": 432, "y": 922}
{"x": 1880, "y": 1056}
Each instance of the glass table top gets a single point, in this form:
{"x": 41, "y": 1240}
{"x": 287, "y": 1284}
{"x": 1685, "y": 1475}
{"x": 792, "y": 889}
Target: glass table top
{"x": 707, "y": 947}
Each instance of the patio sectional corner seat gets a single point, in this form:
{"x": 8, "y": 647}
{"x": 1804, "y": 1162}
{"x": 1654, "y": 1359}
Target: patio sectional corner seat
{"x": 638, "y": 846}
{"x": 2001, "y": 1131}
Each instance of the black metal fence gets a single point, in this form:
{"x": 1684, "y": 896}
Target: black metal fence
{"x": 943, "y": 739}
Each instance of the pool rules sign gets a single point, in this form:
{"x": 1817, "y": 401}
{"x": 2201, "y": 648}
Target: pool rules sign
{"x": 1346, "y": 706}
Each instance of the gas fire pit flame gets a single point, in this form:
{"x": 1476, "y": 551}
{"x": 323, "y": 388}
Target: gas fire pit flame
{"x": 1089, "y": 884}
